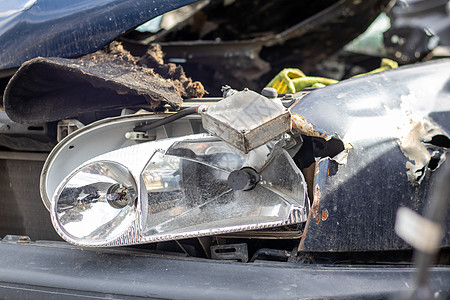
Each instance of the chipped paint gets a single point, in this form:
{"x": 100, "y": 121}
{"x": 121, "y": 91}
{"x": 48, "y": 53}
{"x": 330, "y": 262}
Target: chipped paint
{"x": 412, "y": 147}
{"x": 316, "y": 169}
{"x": 413, "y": 129}
{"x": 406, "y": 125}
{"x": 313, "y": 212}
{"x": 341, "y": 157}
{"x": 315, "y": 207}
{"x": 411, "y": 141}
{"x": 301, "y": 125}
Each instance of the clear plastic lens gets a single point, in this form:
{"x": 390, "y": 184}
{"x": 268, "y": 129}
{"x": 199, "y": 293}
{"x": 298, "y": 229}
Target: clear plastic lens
{"x": 175, "y": 185}
{"x": 188, "y": 190}
{"x": 219, "y": 154}
{"x": 96, "y": 203}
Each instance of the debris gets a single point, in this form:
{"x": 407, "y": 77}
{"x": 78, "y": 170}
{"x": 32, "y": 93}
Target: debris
{"x": 108, "y": 79}
{"x": 294, "y": 80}
{"x": 153, "y": 62}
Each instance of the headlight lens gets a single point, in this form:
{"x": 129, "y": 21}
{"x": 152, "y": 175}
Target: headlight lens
{"x": 188, "y": 191}
{"x": 95, "y": 203}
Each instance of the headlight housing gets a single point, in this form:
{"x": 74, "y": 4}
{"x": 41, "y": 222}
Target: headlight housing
{"x": 176, "y": 188}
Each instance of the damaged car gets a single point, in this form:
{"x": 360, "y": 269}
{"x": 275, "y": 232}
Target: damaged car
{"x": 190, "y": 156}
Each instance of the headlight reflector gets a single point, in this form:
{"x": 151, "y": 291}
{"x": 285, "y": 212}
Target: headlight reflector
{"x": 189, "y": 194}
{"x": 95, "y": 203}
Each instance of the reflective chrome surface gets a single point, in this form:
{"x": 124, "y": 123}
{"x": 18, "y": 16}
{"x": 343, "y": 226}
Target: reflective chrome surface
{"x": 188, "y": 195}
{"x": 191, "y": 193}
{"x": 84, "y": 145}
{"x": 96, "y": 203}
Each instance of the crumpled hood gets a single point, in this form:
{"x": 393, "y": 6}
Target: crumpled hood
{"x": 65, "y": 28}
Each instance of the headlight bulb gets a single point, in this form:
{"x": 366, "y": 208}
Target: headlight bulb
{"x": 119, "y": 196}
{"x": 244, "y": 179}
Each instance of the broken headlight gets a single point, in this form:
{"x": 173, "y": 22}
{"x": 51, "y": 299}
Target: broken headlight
{"x": 178, "y": 188}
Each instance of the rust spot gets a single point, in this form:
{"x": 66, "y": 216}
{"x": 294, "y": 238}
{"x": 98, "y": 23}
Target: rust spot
{"x": 315, "y": 206}
{"x": 324, "y": 214}
{"x": 305, "y": 230}
{"x": 316, "y": 169}
{"x": 316, "y": 195}
{"x": 301, "y": 246}
{"x": 317, "y": 218}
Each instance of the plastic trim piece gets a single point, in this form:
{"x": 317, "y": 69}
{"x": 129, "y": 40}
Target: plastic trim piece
{"x": 57, "y": 270}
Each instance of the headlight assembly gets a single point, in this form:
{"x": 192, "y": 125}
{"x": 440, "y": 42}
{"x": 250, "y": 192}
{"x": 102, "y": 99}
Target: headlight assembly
{"x": 177, "y": 188}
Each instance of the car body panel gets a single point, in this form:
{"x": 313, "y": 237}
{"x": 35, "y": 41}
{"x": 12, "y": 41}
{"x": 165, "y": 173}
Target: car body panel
{"x": 64, "y": 28}
{"x": 376, "y": 117}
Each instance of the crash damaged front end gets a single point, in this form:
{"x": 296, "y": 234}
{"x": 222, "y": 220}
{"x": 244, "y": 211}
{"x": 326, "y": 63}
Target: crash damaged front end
{"x": 332, "y": 164}
{"x": 327, "y": 181}
{"x": 308, "y": 188}
{"x": 312, "y": 177}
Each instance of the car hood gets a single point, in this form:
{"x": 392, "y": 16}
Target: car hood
{"x": 65, "y": 28}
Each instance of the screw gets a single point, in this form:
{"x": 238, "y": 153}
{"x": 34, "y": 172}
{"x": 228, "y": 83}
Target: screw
{"x": 288, "y": 97}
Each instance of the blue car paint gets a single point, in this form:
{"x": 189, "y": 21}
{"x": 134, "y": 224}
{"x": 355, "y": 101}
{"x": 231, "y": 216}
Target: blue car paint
{"x": 69, "y": 28}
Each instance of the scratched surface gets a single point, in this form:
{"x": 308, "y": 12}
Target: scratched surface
{"x": 356, "y": 200}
